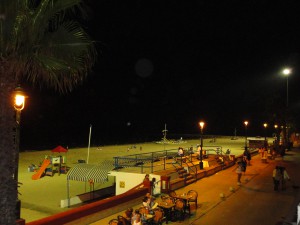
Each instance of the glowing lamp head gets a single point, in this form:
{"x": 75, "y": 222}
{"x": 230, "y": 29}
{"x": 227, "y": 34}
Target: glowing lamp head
{"x": 201, "y": 124}
{"x": 265, "y": 125}
{"x": 246, "y": 123}
{"x": 275, "y": 126}
{"x": 286, "y": 71}
{"x": 19, "y": 99}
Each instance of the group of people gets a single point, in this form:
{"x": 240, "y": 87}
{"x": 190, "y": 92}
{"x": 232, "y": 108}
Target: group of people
{"x": 132, "y": 217}
{"x": 181, "y": 152}
{"x": 137, "y": 217}
{"x": 280, "y": 175}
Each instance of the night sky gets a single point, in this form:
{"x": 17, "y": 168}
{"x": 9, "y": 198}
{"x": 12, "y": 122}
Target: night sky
{"x": 175, "y": 63}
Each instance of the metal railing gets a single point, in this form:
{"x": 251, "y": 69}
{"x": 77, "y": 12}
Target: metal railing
{"x": 155, "y": 161}
{"x": 151, "y": 160}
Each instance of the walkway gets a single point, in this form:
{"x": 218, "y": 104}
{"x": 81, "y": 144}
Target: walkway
{"x": 254, "y": 202}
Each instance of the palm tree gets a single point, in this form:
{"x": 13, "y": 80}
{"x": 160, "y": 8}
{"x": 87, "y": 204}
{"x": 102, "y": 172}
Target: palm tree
{"x": 41, "y": 43}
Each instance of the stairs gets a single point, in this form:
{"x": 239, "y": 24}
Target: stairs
{"x": 184, "y": 178}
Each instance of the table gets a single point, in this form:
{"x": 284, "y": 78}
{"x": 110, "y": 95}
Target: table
{"x": 185, "y": 199}
{"x": 167, "y": 207}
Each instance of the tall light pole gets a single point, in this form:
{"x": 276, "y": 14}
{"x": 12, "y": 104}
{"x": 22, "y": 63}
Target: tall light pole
{"x": 266, "y": 143}
{"x": 246, "y": 124}
{"x": 276, "y": 135}
{"x": 201, "y": 124}
{"x": 286, "y": 72}
{"x": 19, "y": 104}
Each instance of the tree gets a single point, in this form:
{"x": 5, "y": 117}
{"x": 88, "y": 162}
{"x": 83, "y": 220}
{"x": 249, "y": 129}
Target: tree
{"x": 41, "y": 42}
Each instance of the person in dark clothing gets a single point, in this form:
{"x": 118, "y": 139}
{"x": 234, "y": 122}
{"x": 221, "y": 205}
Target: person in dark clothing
{"x": 277, "y": 177}
{"x": 247, "y": 155}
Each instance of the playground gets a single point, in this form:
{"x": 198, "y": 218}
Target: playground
{"x": 43, "y": 188}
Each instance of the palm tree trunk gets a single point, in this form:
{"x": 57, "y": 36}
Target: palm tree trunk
{"x": 8, "y": 186}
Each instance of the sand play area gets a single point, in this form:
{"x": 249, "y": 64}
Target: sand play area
{"x": 42, "y": 197}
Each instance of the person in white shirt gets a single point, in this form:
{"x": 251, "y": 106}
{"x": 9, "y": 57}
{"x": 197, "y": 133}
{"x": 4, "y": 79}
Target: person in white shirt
{"x": 180, "y": 151}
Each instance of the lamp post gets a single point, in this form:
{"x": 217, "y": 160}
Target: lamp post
{"x": 286, "y": 72}
{"x": 246, "y": 124}
{"x": 19, "y": 104}
{"x": 277, "y": 136}
{"x": 266, "y": 143}
{"x": 201, "y": 144}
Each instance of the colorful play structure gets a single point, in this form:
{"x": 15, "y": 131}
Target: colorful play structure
{"x": 52, "y": 164}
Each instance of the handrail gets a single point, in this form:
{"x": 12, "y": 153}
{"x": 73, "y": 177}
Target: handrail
{"x": 191, "y": 168}
{"x": 147, "y": 160}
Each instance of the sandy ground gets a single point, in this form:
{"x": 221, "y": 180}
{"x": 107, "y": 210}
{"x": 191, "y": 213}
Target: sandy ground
{"x": 41, "y": 198}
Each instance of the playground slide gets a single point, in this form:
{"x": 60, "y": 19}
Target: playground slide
{"x": 42, "y": 169}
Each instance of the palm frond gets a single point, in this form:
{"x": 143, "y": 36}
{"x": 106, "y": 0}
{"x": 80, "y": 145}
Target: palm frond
{"x": 49, "y": 45}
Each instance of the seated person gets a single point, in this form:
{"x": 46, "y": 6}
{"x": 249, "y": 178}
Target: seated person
{"x": 146, "y": 202}
{"x": 128, "y": 214}
{"x": 180, "y": 152}
{"x": 134, "y": 215}
{"x": 199, "y": 151}
{"x": 191, "y": 150}
{"x": 152, "y": 204}
{"x": 137, "y": 220}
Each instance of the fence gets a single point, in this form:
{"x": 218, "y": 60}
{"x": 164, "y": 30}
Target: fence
{"x": 155, "y": 161}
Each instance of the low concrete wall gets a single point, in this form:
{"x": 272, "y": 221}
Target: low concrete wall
{"x": 92, "y": 212}
{"x": 79, "y": 199}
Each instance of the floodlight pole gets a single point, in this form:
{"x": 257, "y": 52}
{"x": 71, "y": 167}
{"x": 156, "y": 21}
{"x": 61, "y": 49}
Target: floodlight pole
{"x": 201, "y": 145}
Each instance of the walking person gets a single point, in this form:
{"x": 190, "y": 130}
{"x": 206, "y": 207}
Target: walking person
{"x": 285, "y": 177}
{"x": 247, "y": 155}
{"x": 277, "y": 177}
{"x": 239, "y": 170}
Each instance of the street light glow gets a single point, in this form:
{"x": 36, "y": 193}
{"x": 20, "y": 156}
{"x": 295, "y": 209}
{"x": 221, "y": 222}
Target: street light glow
{"x": 201, "y": 125}
{"x": 286, "y": 71}
{"x": 265, "y": 125}
{"x": 19, "y": 102}
{"x": 246, "y": 123}
{"x": 19, "y": 99}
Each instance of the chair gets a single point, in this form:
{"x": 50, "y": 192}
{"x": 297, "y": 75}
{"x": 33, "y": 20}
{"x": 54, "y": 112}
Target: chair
{"x": 164, "y": 197}
{"x": 158, "y": 216}
{"x": 143, "y": 210}
{"x": 113, "y": 222}
{"x": 179, "y": 209}
{"x": 193, "y": 197}
{"x": 172, "y": 194}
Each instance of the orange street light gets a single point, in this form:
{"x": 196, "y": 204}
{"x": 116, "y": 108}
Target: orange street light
{"x": 246, "y": 124}
{"x": 201, "y": 124}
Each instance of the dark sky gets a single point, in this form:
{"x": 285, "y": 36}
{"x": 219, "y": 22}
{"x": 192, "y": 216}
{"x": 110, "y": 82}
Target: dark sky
{"x": 174, "y": 62}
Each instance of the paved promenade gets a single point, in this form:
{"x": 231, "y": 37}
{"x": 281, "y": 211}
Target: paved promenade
{"x": 254, "y": 202}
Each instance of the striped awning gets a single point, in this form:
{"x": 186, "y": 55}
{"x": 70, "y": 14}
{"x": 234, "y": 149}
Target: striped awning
{"x": 87, "y": 172}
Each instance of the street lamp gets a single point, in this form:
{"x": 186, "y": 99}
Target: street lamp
{"x": 286, "y": 72}
{"x": 201, "y": 144}
{"x": 246, "y": 124}
{"x": 266, "y": 145}
{"x": 19, "y": 104}
{"x": 277, "y": 136}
